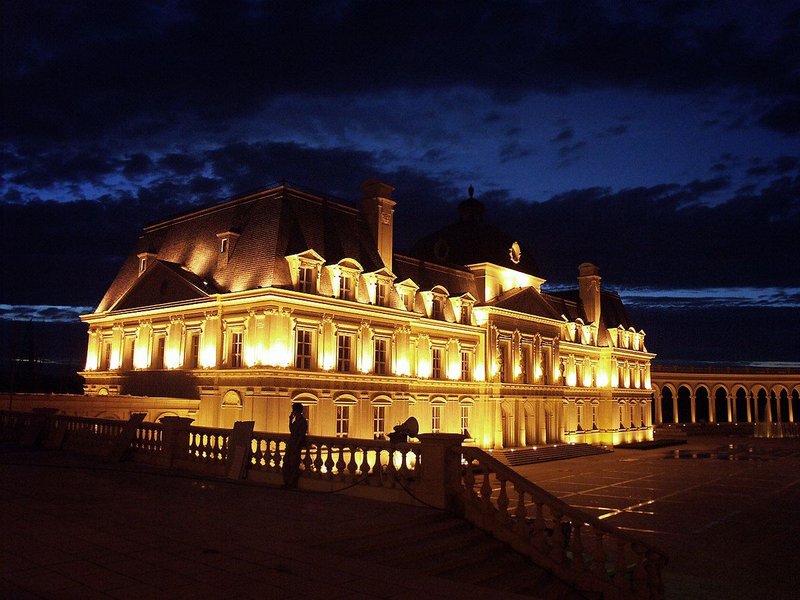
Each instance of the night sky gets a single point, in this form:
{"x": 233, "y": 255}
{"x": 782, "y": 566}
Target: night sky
{"x": 659, "y": 140}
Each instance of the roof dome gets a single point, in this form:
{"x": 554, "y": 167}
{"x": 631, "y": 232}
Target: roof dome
{"x": 473, "y": 240}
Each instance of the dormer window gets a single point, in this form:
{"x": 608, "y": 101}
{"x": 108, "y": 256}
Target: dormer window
{"x": 223, "y": 244}
{"x": 306, "y": 280}
{"x": 437, "y": 309}
{"x": 380, "y": 294}
{"x": 304, "y": 268}
{"x": 145, "y": 260}
{"x": 345, "y": 287}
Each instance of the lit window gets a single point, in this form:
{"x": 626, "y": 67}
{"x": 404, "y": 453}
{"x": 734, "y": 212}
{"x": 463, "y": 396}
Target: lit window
{"x": 344, "y": 345}
{"x": 594, "y": 417}
{"x": 524, "y": 361}
{"x": 342, "y": 421}
{"x": 503, "y": 353}
{"x": 345, "y": 287}
{"x": 306, "y": 280}
{"x": 465, "y": 410}
{"x": 466, "y": 370}
{"x": 580, "y": 417}
{"x": 107, "y": 357}
{"x": 436, "y": 418}
{"x": 436, "y": 366}
{"x": 194, "y": 350}
{"x": 409, "y": 300}
{"x": 378, "y": 422}
{"x": 632, "y": 419}
{"x": 223, "y": 245}
{"x": 380, "y": 358}
{"x": 303, "y": 349}
{"x": 236, "y": 349}
{"x": 621, "y": 419}
{"x": 142, "y": 264}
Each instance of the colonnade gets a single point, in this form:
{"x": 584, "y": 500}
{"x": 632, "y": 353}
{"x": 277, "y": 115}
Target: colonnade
{"x": 725, "y": 396}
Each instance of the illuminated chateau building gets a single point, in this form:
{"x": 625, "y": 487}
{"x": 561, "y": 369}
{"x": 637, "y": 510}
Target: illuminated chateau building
{"x": 286, "y": 296}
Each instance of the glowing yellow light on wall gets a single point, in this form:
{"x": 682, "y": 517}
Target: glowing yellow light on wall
{"x": 141, "y": 356}
{"x": 403, "y": 366}
{"x": 172, "y": 358}
{"x": 587, "y": 378}
{"x": 478, "y": 373}
{"x": 537, "y": 373}
{"x": 572, "y": 378}
{"x": 602, "y": 379}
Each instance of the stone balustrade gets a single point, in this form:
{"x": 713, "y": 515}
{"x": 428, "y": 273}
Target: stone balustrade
{"x": 574, "y": 545}
{"x": 438, "y": 472}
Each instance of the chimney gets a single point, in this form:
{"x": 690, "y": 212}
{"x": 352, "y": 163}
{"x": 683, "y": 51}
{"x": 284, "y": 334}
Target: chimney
{"x": 378, "y": 210}
{"x": 589, "y": 289}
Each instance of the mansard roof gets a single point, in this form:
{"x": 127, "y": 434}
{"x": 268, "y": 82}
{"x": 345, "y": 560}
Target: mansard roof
{"x": 426, "y": 275}
{"x": 612, "y": 310}
{"x": 272, "y": 224}
{"x": 472, "y": 240}
{"x": 527, "y": 300}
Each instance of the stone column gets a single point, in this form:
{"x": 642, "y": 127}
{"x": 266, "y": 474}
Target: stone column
{"x": 712, "y": 409}
{"x": 693, "y": 400}
{"x": 440, "y": 469}
{"x": 777, "y": 406}
{"x": 769, "y": 409}
{"x": 659, "y": 415}
{"x": 731, "y": 407}
{"x": 791, "y": 413}
{"x": 754, "y": 400}
{"x": 675, "y": 407}
{"x": 175, "y": 439}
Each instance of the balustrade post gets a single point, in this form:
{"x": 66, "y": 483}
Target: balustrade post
{"x": 175, "y": 439}
{"x": 439, "y": 481}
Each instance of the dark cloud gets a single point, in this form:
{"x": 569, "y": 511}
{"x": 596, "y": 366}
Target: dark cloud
{"x": 75, "y": 69}
{"x": 564, "y": 135}
{"x": 783, "y": 118}
{"x": 514, "y": 151}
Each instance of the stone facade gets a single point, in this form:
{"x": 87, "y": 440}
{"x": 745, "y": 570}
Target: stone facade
{"x": 285, "y": 296}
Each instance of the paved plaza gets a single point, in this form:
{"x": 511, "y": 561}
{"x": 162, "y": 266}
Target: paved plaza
{"x": 725, "y": 510}
{"x": 728, "y": 517}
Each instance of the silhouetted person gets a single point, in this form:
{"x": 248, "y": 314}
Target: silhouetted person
{"x": 298, "y": 427}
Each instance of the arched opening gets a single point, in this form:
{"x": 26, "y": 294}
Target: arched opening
{"x": 701, "y": 405}
{"x": 762, "y": 402}
{"x": 783, "y": 404}
{"x": 740, "y": 403}
{"x": 684, "y": 405}
{"x": 667, "y": 414}
{"x": 795, "y": 399}
{"x": 721, "y": 405}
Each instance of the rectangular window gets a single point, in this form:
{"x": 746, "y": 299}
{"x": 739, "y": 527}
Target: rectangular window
{"x": 594, "y": 417}
{"x": 436, "y": 366}
{"x": 380, "y": 294}
{"x": 303, "y": 349}
{"x": 236, "y": 349}
{"x": 160, "y": 344}
{"x": 580, "y": 417}
{"x": 437, "y": 310}
{"x": 466, "y": 314}
{"x": 194, "y": 350}
{"x": 378, "y": 422}
{"x": 633, "y": 422}
{"x": 306, "y": 280}
{"x": 525, "y": 361}
{"x": 342, "y": 421}
{"x": 466, "y": 369}
{"x": 436, "y": 418}
{"x": 345, "y": 287}
{"x": 107, "y": 356}
{"x": 621, "y": 419}
{"x": 409, "y": 300}
{"x": 127, "y": 353}
{"x": 465, "y": 420}
{"x": 223, "y": 245}
{"x": 344, "y": 349}
{"x": 380, "y": 359}
{"x": 142, "y": 264}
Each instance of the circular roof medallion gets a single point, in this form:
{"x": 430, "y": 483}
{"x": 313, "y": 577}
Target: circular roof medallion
{"x": 515, "y": 253}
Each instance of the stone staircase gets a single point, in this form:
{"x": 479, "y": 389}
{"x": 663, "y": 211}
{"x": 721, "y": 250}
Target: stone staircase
{"x": 529, "y": 455}
{"x": 445, "y": 546}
